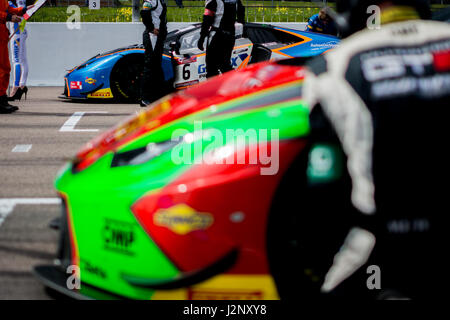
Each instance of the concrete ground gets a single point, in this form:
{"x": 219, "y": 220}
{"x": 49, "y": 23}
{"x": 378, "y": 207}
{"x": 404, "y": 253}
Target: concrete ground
{"x": 32, "y": 149}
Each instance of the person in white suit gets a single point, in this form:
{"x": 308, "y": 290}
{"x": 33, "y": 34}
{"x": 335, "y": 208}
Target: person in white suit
{"x": 19, "y": 52}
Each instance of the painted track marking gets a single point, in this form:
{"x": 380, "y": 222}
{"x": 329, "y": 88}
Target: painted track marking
{"x": 7, "y": 205}
{"x": 69, "y": 125}
{"x": 22, "y": 148}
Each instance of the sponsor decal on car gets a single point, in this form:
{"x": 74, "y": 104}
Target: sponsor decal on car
{"x": 118, "y": 236}
{"x": 322, "y": 46}
{"x": 186, "y": 60}
{"x": 93, "y": 269}
{"x": 76, "y": 85}
{"x": 201, "y": 294}
{"x": 202, "y": 69}
{"x": 182, "y": 219}
{"x": 90, "y": 80}
{"x": 224, "y": 287}
{"x": 236, "y": 61}
{"x": 102, "y": 93}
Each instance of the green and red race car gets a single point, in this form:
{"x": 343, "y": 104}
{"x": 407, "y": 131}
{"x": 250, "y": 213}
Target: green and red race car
{"x": 174, "y": 203}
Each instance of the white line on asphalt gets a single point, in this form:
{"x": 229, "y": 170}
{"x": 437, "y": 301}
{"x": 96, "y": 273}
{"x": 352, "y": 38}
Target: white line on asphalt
{"x": 22, "y": 148}
{"x": 7, "y": 205}
{"x": 69, "y": 125}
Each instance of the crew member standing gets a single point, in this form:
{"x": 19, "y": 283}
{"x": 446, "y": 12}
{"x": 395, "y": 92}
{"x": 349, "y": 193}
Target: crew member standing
{"x": 322, "y": 23}
{"x": 7, "y": 13}
{"x": 154, "y": 17}
{"x": 372, "y": 222}
{"x": 19, "y": 51}
{"x": 218, "y": 26}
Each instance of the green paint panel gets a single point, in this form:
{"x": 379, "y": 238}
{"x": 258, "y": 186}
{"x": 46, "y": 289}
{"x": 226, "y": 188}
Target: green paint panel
{"x": 110, "y": 240}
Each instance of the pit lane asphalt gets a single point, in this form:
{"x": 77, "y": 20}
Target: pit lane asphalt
{"x": 25, "y": 238}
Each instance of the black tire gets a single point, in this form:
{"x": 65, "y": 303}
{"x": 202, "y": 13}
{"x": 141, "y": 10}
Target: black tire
{"x": 126, "y": 78}
{"x": 305, "y": 229}
{"x": 283, "y": 239}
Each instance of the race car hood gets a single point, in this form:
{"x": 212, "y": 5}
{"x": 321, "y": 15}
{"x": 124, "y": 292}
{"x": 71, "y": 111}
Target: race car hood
{"x": 190, "y": 103}
{"x": 116, "y": 191}
{"x": 104, "y": 54}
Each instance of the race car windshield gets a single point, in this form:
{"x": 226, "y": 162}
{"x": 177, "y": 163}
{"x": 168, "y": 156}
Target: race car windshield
{"x": 189, "y": 40}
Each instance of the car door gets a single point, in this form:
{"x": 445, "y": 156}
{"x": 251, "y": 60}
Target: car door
{"x": 189, "y": 61}
{"x": 242, "y": 51}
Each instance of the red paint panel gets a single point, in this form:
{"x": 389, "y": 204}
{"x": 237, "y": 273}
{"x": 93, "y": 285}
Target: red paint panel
{"x": 238, "y": 198}
{"x": 442, "y": 61}
{"x": 215, "y": 91}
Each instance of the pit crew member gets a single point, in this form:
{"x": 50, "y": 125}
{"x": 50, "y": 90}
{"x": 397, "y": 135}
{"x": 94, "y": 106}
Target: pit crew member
{"x": 382, "y": 99}
{"x": 154, "y": 17}
{"x": 218, "y": 27}
{"x": 322, "y": 22}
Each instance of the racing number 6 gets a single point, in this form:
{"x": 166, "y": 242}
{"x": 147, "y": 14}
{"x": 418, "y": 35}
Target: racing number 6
{"x": 186, "y": 72}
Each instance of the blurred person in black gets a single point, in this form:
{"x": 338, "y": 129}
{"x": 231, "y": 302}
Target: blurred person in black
{"x": 375, "y": 181}
{"x": 218, "y": 28}
{"x": 154, "y": 17}
{"x": 322, "y": 23}
{"x": 179, "y": 3}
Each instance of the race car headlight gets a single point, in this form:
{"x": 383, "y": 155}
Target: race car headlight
{"x": 143, "y": 154}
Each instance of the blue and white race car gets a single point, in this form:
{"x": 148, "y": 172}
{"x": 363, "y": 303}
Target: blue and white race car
{"x": 116, "y": 74}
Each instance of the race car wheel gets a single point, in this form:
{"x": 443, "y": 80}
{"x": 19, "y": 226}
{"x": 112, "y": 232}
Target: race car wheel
{"x": 304, "y": 231}
{"x": 126, "y": 78}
